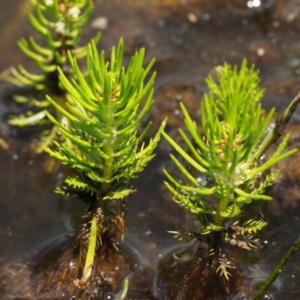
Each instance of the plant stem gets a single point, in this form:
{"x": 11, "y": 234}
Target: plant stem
{"x": 218, "y": 220}
{"x": 279, "y": 128}
{"x": 222, "y": 206}
{"x": 125, "y": 289}
{"x": 272, "y": 277}
{"x": 90, "y": 255}
{"x": 91, "y": 249}
{"x": 109, "y": 149}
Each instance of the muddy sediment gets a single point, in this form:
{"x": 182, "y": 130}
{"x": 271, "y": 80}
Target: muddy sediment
{"x": 188, "y": 38}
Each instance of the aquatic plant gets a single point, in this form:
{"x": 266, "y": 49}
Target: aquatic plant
{"x": 103, "y": 143}
{"x": 278, "y": 268}
{"x": 59, "y": 24}
{"x": 228, "y": 163}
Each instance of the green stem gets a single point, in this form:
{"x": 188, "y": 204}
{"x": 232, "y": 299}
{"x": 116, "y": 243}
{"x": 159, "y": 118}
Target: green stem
{"x": 90, "y": 255}
{"x": 109, "y": 150}
{"x": 279, "y": 128}
{"x": 272, "y": 277}
{"x": 125, "y": 289}
{"x": 91, "y": 248}
{"x": 218, "y": 219}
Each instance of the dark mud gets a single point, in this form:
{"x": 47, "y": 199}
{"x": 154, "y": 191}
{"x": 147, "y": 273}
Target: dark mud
{"x": 188, "y": 38}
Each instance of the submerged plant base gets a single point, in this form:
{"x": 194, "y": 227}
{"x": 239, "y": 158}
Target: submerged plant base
{"x": 52, "y": 275}
{"x": 189, "y": 275}
{"x": 59, "y": 271}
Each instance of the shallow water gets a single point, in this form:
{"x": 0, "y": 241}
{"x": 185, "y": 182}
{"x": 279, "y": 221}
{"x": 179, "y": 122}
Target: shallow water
{"x": 188, "y": 38}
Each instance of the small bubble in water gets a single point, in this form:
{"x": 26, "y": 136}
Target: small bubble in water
{"x": 262, "y": 157}
{"x": 290, "y": 17}
{"x": 245, "y": 22}
{"x": 253, "y": 3}
{"x": 72, "y": 264}
{"x": 266, "y": 242}
{"x": 202, "y": 180}
{"x": 161, "y": 23}
{"x": 15, "y": 156}
{"x": 260, "y": 51}
{"x": 176, "y": 112}
{"x": 206, "y": 17}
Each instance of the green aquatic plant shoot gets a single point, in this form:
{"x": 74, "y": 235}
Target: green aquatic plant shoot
{"x": 59, "y": 24}
{"x": 104, "y": 143}
{"x": 103, "y": 120}
{"x": 226, "y": 160}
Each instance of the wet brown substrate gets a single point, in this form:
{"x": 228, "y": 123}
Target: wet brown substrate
{"x": 188, "y": 41}
{"x": 53, "y": 275}
{"x": 189, "y": 274}
{"x": 59, "y": 271}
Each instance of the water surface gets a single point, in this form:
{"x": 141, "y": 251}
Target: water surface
{"x": 188, "y": 38}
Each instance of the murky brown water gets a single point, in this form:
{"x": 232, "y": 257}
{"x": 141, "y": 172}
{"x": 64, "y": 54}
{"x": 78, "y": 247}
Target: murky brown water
{"x": 188, "y": 38}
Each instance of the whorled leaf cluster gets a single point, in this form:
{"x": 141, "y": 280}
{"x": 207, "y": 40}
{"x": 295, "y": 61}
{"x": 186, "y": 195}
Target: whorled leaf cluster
{"x": 59, "y": 24}
{"x": 227, "y": 151}
{"x": 102, "y": 116}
